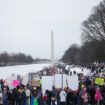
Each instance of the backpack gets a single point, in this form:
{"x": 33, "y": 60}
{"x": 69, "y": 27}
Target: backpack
{"x": 97, "y": 97}
{"x": 85, "y": 97}
{"x": 35, "y": 101}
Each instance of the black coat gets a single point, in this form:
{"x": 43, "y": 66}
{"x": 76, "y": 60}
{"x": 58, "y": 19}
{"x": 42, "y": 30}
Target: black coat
{"x": 23, "y": 95}
{"x": 9, "y": 95}
{"x": 19, "y": 97}
{"x": 69, "y": 98}
{"x": 40, "y": 99}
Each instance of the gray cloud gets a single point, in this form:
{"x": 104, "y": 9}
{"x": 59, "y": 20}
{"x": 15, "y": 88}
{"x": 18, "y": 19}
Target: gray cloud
{"x": 25, "y": 25}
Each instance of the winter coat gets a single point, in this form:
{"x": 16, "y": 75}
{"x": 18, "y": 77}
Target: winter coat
{"x": 92, "y": 93}
{"x": 98, "y": 95}
{"x": 63, "y": 96}
{"x": 27, "y": 93}
{"x": 49, "y": 97}
{"x": 85, "y": 97}
{"x": 45, "y": 97}
{"x": 54, "y": 93}
{"x": 19, "y": 97}
{"x": 40, "y": 99}
{"x": 14, "y": 95}
{"x": 23, "y": 95}
{"x": 69, "y": 98}
{"x": 4, "y": 97}
{"x": 9, "y": 96}
{"x": 34, "y": 101}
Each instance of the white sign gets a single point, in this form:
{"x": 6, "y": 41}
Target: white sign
{"x": 46, "y": 83}
{"x": 9, "y": 81}
{"x": 71, "y": 81}
{"x": 58, "y": 81}
{"x": 25, "y": 80}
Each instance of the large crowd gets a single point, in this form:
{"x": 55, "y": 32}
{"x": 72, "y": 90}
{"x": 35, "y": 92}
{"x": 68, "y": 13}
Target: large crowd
{"x": 88, "y": 92}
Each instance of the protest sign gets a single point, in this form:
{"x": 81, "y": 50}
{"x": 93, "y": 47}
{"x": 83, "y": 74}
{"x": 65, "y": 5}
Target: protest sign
{"x": 47, "y": 83}
{"x": 36, "y": 80}
{"x": 68, "y": 81}
{"x": 58, "y": 80}
{"x": 15, "y": 83}
{"x": 73, "y": 82}
{"x": 25, "y": 80}
{"x": 99, "y": 81}
{"x": 9, "y": 81}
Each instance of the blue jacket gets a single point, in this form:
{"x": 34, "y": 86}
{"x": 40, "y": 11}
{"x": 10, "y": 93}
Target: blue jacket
{"x": 4, "y": 97}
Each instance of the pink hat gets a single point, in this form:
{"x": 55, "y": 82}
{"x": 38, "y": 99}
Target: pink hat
{"x": 84, "y": 90}
{"x": 98, "y": 91}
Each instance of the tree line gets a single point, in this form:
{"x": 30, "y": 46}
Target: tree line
{"x": 14, "y": 58}
{"x": 93, "y": 39}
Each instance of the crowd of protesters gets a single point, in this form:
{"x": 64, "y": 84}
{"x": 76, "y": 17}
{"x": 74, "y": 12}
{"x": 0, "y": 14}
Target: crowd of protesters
{"x": 88, "y": 93}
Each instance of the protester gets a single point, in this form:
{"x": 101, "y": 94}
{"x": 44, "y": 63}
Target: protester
{"x": 2, "y": 84}
{"x": 89, "y": 92}
{"x": 85, "y": 97}
{"x": 45, "y": 98}
{"x": 4, "y": 97}
{"x": 19, "y": 97}
{"x": 58, "y": 96}
{"x": 23, "y": 94}
{"x": 14, "y": 96}
{"x": 34, "y": 98}
{"x": 27, "y": 91}
{"x": 98, "y": 97}
{"x": 9, "y": 97}
{"x": 69, "y": 99}
{"x": 54, "y": 95}
{"x": 81, "y": 94}
{"x": 40, "y": 98}
{"x": 92, "y": 95}
{"x": 63, "y": 97}
{"x": 48, "y": 97}
{"x": 1, "y": 102}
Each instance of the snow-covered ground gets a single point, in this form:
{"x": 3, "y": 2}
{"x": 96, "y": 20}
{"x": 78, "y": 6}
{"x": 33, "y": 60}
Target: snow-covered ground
{"x": 20, "y": 69}
{"x": 23, "y": 70}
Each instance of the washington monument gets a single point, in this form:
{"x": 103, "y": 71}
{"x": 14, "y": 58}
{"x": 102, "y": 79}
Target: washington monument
{"x": 52, "y": 47}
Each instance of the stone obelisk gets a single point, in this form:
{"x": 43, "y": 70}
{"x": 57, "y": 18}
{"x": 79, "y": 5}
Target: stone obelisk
{"x": 52, "y": 47}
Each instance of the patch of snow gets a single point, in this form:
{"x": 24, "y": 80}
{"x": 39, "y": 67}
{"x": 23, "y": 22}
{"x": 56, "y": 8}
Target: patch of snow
{"x": 5, "y": 72}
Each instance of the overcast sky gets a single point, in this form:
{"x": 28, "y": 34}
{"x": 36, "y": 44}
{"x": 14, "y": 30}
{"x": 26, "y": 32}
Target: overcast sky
{"x": 25, "y": 25}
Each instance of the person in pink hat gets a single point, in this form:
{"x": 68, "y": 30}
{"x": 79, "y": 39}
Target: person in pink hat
{"x": 85, "y": 97}
{"x": 98, "y": 97}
